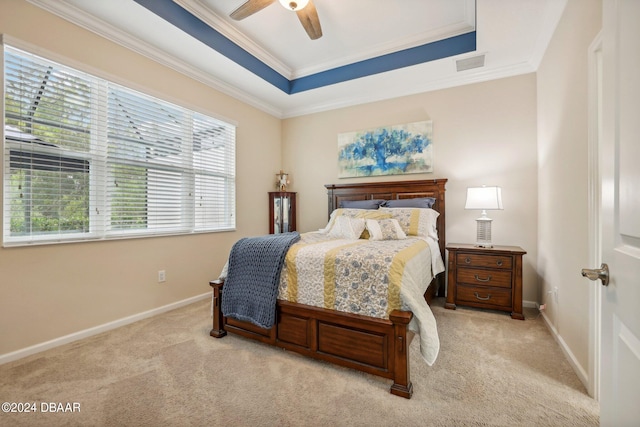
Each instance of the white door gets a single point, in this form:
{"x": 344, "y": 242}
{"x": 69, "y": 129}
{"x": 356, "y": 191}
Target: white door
{"x": 620, "y": 175}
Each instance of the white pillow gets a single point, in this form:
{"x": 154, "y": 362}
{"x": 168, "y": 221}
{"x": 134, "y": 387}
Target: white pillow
{"x": 339, "y": 212}
{"x": 345, "y": 227}
{"x": 224, "y": 272}
{"x": 415, "y": 221}
{"x": 332, "y": 219}
{"x": 353, "y": 213}
{"x": 385, "y": 229}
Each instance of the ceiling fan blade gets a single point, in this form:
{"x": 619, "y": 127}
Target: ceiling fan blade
{"x": 309, "y": 19}
{"x": 249, "y": 8}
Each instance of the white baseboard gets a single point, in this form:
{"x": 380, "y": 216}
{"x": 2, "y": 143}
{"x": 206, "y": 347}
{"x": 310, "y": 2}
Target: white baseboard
{"x": 28, "y": 351}
{"x": 580, "y": 372}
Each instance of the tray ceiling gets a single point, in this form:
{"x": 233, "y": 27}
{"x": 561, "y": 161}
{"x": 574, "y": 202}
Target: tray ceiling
{"x": 370, "y": 49}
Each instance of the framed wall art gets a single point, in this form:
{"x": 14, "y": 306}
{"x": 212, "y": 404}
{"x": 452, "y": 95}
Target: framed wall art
{"x": 388, "y": 150}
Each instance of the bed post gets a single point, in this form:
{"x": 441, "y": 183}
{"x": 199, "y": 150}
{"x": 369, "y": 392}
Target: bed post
{"x": 218, "y": 330}
{"x": 402, "y": 385}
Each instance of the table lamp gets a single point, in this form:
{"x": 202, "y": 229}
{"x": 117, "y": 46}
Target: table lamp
{"x": 484, "y": 198}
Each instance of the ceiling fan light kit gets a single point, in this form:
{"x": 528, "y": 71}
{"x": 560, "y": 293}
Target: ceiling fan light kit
{"x": 294, "y": 5}
{"x": 305, "y": 9}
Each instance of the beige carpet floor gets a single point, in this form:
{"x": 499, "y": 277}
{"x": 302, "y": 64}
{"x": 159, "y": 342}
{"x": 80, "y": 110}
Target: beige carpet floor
{"x": 168, "y": 371}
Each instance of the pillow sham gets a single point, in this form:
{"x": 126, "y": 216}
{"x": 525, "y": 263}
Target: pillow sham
{"x": 347, "y": 228}
{"x": 415, "y": 221}
{"x": 362, "y": 204}
{"x": 385, "y": 229}
{"x": 418, "y": 202}
{"x": 332, "y": 219}
{"x": 354, "y": 213}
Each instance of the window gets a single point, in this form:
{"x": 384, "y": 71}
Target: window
{"x": 89, "y": 159}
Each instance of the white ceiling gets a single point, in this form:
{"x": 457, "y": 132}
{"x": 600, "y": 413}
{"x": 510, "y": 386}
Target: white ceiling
{"x": 512, "y": 34}
{"x": 352, "y": 30}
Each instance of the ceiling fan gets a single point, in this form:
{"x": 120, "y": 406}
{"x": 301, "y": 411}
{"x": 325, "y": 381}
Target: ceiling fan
{"x": 305, "y": 9}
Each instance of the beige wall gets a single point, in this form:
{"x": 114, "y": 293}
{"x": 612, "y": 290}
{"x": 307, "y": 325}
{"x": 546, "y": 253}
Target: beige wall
{"x": 483, "y": 133}
{"x": 51, "y": 291}
{"x": 563, "y": 173}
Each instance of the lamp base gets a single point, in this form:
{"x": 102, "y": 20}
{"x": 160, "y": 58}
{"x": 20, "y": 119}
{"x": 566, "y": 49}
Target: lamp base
{"x": 483, "y": 245}
{"x": 483, "y": 235}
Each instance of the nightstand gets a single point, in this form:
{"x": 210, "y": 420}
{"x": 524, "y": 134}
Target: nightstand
{"x": 488, "y": 278}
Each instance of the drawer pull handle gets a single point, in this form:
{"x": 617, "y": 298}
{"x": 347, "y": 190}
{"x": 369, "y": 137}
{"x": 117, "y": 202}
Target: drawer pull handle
{"x": 499, "y": 262}
{"x": 483, "y": 299}
{"x": 482, "y": 280}
{"x": 467, "y": 260}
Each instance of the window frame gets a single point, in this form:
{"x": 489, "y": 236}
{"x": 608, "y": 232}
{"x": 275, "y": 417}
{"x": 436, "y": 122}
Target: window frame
{"x": 100, "y": 164}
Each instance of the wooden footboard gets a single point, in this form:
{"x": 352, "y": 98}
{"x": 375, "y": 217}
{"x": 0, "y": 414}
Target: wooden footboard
{"x": 376, "y": 346}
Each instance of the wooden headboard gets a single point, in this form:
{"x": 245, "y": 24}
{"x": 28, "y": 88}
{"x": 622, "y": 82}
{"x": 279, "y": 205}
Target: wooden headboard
{"x": 392, "y": 191}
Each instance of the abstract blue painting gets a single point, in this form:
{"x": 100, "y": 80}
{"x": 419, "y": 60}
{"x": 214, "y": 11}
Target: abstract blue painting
{"x": 390, "y": 150}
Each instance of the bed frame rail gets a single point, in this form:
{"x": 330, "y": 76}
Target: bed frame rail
{"x": 382, "y": 345}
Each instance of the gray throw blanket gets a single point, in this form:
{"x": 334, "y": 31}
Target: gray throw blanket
{"x": 251, "y": 288}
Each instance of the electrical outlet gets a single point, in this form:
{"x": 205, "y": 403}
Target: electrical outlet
{"x": 543, "y": 306}
{"x": 162, "y": 276}
{"x": 555, "y": 294}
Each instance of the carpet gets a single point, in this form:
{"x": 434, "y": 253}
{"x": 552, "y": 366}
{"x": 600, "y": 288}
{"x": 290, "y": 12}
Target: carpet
{"x": 168, "y": 371}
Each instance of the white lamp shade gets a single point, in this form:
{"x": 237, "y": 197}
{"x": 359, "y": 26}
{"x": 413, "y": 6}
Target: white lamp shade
{"x": 293, "y": 5}
{"x": 484, "y": 198}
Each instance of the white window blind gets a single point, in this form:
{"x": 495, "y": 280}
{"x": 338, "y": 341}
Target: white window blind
{"x": 87, "y": 159}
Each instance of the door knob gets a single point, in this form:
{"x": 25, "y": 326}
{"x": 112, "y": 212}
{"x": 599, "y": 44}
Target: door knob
{"x": 601, "y": 273}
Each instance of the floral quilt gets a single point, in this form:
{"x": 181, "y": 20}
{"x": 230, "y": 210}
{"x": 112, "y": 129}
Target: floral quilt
{"x": 366, "y": 277}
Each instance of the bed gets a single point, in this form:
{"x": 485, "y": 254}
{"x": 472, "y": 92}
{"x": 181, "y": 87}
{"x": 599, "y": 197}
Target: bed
{"x": 374, "y": 345}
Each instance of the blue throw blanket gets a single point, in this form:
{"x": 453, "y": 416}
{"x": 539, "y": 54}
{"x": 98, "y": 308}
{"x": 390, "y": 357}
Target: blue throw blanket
{"x": 251, "y": 288}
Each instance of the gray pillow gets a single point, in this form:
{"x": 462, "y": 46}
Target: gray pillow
{"x": 361, "y": 204}
{"x": 421, "y": 202}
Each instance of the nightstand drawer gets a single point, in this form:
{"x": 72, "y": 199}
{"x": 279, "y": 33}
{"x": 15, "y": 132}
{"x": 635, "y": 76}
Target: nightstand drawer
{"x": 490, "y": 261}
{"x": 497, "y": 297}
{"x": 480, "y": 277}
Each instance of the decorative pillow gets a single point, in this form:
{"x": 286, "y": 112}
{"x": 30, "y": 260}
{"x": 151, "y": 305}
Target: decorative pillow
{"x": 368, "y": 214}
{"x": 355, "y": 213}
{"x": 385, "y": 229}
{"x": 415, "y": 221}
{"x": 362, "y": 204}
{"x": 332, "y": 218}
{"x": 419, "y": 202}
{"x": 347, "y": 228}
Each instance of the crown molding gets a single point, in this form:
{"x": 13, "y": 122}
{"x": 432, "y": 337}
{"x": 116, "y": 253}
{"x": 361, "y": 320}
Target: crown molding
{"x": 206, "y": 15}
{"x": 91, "y": 23}
{"x": 101, "y": 28}
{"x": 460, "y": 79}
{"x": 200, "y": 10}
{"x": 415, "y": 40}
